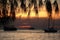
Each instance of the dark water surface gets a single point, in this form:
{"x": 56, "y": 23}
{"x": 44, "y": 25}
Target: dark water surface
{"x": 28, "y": 35}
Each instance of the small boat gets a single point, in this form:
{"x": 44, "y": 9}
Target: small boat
{"x": 9, "y": 28}
{"x": 49, "y": 10}
{"x": 50, "y": 30}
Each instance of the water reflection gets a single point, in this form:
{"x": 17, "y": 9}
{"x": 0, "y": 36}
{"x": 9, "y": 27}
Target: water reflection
{"x": 18, "y": 35}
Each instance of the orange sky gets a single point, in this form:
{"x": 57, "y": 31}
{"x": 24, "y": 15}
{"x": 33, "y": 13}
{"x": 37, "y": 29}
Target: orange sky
{"x": 42, "y": 13}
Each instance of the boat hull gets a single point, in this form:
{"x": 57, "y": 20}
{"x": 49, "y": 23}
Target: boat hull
{"x": 10, "y": 29}
{"x": 50, "y": 30}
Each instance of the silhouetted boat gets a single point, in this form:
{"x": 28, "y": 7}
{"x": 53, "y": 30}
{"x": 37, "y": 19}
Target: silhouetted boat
{"x": 50, "y": 30}
{"x": 49, "y": 10}
{"x": 10, "y": 28}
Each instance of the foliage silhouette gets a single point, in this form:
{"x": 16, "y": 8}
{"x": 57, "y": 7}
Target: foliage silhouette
{"x": 49, "y": 10}
{"x": 23, "y": 5}
{"x": 56, "y": 6}
{"x": 5, "y": 19}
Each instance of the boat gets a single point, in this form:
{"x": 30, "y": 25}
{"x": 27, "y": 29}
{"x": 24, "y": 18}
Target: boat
{"x": 50, "y": 30}
{"x": 10, "y": 28}
{"x": 49, "y": 10}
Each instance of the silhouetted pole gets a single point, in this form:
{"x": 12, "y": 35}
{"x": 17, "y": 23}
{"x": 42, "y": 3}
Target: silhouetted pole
{"x": 49, "y": 10}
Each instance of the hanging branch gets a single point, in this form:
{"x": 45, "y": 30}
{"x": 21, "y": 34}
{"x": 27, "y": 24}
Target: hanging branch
{"x": 23, "y": 5}
{"x": 15, "y": 3}
{"x": 34, "y": 2}
{"x": 49, "y": 10}
{"x": 4, "y": 19}
{"x": 49, "y": 7}
{"x": 40, "y": 3}
{"x": 56, "y": 7}
{"x": 35, "y": 7}
{"x": 36, "y": 10}
{"x": 29, "y": 6}
{"x": 12, "y": 10}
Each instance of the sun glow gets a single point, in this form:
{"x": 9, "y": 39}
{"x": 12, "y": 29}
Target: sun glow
{"x": 42, "y": 13}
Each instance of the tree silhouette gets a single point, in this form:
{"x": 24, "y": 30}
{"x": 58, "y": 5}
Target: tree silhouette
{"x": 23, "y": 5}
{"x": 49, "y": 10}
{"x": 15, "y": 3}
{"x": 29, "y": 6}
{"x": 49, "y": 7}
{"x": 12, "y": 10}
{"x": 40, "y": 3}
{"x": 34, "y": 2}
{"x": 31, "y": 3}
{"x": 5, "y": 19}
{"x": 56, "y": 6}
{"x": 4, "y": 11}
{"x": 36, "y": 10}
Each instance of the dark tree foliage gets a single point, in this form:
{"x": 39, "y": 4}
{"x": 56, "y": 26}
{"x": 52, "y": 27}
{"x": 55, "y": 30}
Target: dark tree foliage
{"x": 56, "y": 6}
{"x": 40, "y": 3}
{"x": 48, "y": 7}
{"x": 4, "y": 11}
{"x": 23, "y": 5}
{"x": 15, "y": 3}
{"x": 29, "y": 6}
{"x": 34, "y": 2}
{"x": 12, "y": 11}
{"x": 0, "y": 12}
{"x": 36, "y": 10}
{"x": 4, "y": 18}
{"x": 49, "y": 10}
{"x": 3, "y": 1}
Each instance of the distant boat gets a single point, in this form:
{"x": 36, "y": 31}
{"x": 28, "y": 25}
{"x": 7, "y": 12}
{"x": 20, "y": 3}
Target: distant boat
{"x": 9, "y": 28}
{"x": 50, "y": 30}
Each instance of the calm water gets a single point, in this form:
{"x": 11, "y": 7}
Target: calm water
{"x": 28, "y": 35}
